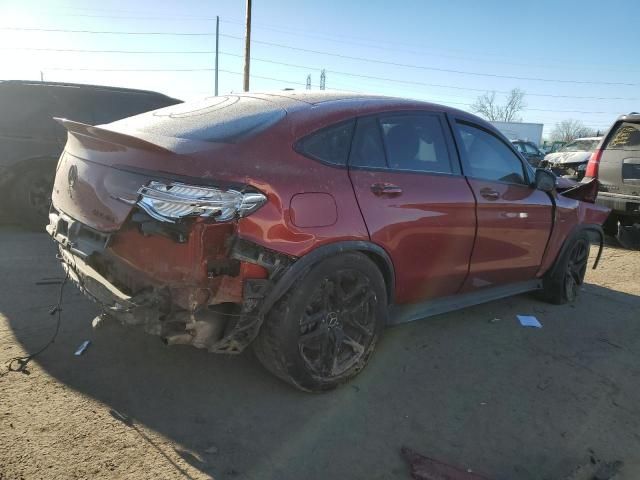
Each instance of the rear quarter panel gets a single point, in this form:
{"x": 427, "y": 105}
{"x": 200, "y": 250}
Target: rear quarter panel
{"x": 570, "y": 214}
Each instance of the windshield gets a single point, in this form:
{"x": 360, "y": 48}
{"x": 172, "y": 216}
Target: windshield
{"x": 581, "y": 146}
{"x": 215, "y": 119}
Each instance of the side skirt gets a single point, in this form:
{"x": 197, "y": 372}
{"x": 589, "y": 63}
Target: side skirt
{"x": 416, "y": 311}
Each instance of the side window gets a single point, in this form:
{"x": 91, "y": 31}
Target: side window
{"x": 530, "y": 149}
{"x": 486, "y": 157}
{"x": 520, "y": 147}
{"x": 331, "y": 144}
{"x": 367, "y": 149}
{"x": 416, "y": 142}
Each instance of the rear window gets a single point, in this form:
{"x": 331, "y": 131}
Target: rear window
{"x": 581, "y": 146}
{"x": 626, "y": 137}
{"x": 331, "y": 144}
{"x": 226, "y": 119}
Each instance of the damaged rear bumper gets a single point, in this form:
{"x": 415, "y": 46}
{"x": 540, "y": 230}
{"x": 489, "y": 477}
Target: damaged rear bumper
{"x": 223, "y": 327}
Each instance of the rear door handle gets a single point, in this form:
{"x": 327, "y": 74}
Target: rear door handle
{"x": 385, "y": 189}
{"x": 490, "y": 194}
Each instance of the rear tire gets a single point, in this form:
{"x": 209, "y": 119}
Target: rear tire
{"x": 610, "y": 226}
{"x": 562, "y": 283}
{"x": 30, "y": 194}
{"x": 324, "y": 330}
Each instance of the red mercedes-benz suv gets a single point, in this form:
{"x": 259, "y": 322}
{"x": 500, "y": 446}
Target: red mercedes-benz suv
{"x": 303, "y": 223}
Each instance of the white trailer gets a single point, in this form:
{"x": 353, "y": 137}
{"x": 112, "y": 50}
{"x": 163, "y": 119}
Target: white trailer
{"x": 531, "y": 132}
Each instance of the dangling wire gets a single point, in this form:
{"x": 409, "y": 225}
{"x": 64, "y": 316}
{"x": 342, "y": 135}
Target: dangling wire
{"x": 19, "y": 364}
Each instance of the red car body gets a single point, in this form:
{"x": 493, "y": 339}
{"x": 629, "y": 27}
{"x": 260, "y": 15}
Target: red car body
{"x": 434, "y": 236}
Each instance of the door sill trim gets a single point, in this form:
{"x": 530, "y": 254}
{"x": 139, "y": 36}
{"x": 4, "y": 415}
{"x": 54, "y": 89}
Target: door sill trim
{"x": 416, "y": 311}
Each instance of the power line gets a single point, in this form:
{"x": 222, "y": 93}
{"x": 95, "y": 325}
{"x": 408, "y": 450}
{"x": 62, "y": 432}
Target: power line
{"x": 422, "y": 67}
{"x": 82, "y": 69}
{"x": 107, "y": 32}
{"x": 81, "y": 50}
{"x": 307, "y": 67}
{"x": 338, "y": 55}
{"x": 424, "y": 84}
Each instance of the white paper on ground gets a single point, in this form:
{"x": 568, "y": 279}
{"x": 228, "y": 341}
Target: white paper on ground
{"x": 529, "y": 321}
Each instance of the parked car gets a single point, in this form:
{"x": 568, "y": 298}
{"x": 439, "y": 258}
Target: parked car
{"x": 530, "y": 151}
{"x": 570, "y": 161}
{"x": 616, "y": 164}
{"x": 303, "y": 223}
{"x": 31, "y": 142}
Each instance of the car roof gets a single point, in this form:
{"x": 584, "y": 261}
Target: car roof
{"x": 294, "y": 100}
{"x": 586, "y": 138}
{"x": 83, "y": 86}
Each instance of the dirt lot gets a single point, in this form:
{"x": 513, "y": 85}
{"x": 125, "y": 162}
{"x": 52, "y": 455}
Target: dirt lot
{"x": 511, "y": 402}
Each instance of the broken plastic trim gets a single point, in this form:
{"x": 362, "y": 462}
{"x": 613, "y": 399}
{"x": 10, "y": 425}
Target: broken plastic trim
{"x": 169, "y": 202}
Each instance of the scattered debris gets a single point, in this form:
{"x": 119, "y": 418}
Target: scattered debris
{"x": 212, "y": 450}
{"x": 424, "y": 468}
{"x": 494, "y": 320}
{"x": 608, "y": 470}
{"x": 545, "y": 383}
{"x": 595, "y": 469}
{"x": 50, "y": 281}
{"x": 609, "y": 342}
{"x": 82, "y": 348}
{"x": 529, "y": 321}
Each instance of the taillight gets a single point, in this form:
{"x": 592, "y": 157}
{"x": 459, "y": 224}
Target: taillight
{"x": 594, "y": 164}
{"x": 170, "y": 202}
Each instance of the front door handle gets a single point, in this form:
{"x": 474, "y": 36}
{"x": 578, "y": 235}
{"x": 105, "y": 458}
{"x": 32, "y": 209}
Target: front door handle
{"x": 385, "y": 189}
{"x": 490, "y": 194}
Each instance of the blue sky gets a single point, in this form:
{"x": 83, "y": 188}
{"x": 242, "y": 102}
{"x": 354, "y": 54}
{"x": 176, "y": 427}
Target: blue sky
{"x": 443, "y": 51}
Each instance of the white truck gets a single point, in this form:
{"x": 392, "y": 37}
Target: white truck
{"x": 531, "y": 132}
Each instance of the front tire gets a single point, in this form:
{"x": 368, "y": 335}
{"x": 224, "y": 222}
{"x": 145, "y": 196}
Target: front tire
{"x": 324, "y": 330}
{"x": 563, "y": 282}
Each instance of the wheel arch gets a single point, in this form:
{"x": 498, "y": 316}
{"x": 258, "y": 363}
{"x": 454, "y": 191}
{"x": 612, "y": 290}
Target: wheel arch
{"x": 372, "y": 251}
{"x": 591, "y": 230}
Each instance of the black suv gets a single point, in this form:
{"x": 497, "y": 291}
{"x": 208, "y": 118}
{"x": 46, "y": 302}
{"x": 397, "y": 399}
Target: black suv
{"x": 616, "y": 164}
{"x": 31, "y": 141}
{"x": 529, "y": 150}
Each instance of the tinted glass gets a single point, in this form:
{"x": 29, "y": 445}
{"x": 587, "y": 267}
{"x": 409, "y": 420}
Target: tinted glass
{"x": 530, "y": 149}
{"x": 415, "y": 142}
{"x": 367, "y": 149}
{"x": 626, "y": 137}
{"x": 330, "y": 144}
{"x": 488, "y": 158}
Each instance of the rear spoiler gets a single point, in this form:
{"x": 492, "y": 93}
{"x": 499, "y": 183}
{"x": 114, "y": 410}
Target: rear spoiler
{"x": 102, "y": 134}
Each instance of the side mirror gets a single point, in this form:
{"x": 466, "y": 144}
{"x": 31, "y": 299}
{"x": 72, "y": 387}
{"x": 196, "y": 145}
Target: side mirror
{"x": 545, "y": 180}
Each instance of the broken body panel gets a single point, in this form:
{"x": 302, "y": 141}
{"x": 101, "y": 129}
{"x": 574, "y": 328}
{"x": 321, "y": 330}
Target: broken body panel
{"x": 210, "y": 283}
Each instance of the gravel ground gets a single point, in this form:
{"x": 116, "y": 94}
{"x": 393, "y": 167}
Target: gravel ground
{"x": 507, "y": 401}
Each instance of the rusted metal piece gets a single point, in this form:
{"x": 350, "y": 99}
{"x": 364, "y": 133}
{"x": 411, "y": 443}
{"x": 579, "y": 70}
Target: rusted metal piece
{"x": 425, "y": 468}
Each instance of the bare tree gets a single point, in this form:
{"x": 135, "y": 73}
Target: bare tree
{"x": 487, "y": 106}
{"x": 569, "y": 130}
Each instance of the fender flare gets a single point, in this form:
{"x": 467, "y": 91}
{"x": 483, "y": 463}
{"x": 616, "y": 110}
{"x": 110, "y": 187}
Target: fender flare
{"x": 377, "y": 254}
{"x": 589, "y": 228}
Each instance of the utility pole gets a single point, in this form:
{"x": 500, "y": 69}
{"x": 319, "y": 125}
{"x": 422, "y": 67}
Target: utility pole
{"x": 323, "y": 80}
{"x": 41, "y": 76}
{"x": 247, "y": 47}
{"x": 217, "y": 45}
{"x": 309, "y": 82}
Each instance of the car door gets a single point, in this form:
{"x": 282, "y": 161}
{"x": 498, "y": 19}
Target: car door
{"x": 514, "y": 218}
{"x": 415, "y": 203}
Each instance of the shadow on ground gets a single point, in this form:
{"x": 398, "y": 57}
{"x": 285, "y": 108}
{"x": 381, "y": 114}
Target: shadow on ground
{"x": 480, "y": 393}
